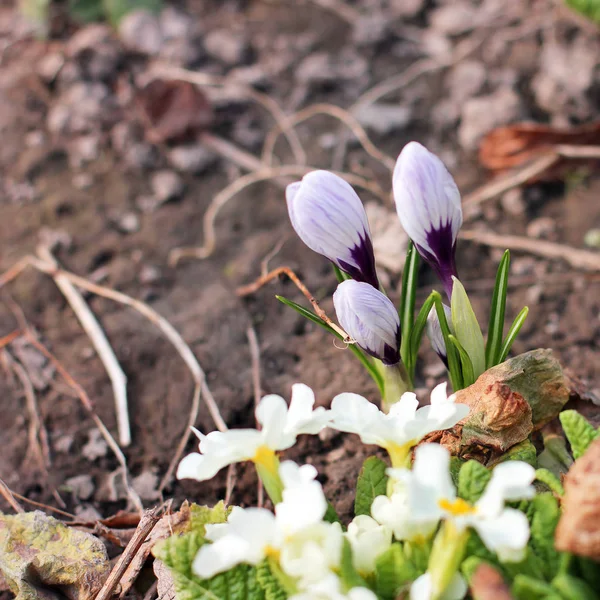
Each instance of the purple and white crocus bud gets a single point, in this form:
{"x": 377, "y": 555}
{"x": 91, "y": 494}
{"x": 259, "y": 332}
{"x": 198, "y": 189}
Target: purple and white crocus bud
{"x": 428, "y": 204}
{"x": 370, "y": 318}
{"x": 434, "y": 332}
{"x": 330, "y": 219}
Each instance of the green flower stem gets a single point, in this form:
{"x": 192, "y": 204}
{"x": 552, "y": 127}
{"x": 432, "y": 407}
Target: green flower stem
{"x": 447, "y": 553}
{"x": 395, "y": 382}
{"x": 267, "y": 467}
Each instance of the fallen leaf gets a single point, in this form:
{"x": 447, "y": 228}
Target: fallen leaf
{"x": 43, "y": 559}
{"x": 173, "y": 110}
{"x": 166, "y": 585}
{"x": 488, "y": 584}
{"x": 578, "y": 530}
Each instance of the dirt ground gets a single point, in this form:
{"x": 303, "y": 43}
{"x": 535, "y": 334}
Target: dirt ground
{"x": 76, "y": 166}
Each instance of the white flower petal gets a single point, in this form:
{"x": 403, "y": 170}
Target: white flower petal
{"x": 422, "y": 588}
{"x": 200, "y": 467}
{"x": 405, "y": 409}
{"x": 506, "y": 534}
{"x": 219, "y": 557}
{"x": 301, "y": 418}
{"x": 511, "y": 480}
{"x": 352, "y": 413}
{"x": 369, "y": 540}
{"x": 271, "y": 413}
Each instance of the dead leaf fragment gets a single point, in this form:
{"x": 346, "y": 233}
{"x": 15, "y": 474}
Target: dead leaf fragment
{"x": 578, "y": 530}
{"x": 488, "y": 584}
{"x": 166, "y": 585}
{"x": 43, "y": 559}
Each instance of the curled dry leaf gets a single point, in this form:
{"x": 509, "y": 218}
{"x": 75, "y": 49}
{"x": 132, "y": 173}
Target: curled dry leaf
{"x": 508, "y": 402}
{"x": 488, "y": 584}
{"x": 578, "y": 530}
{"x": 173, "y": 110}
{"x": 43, "y": 559}
{"x": 508, "y": 147}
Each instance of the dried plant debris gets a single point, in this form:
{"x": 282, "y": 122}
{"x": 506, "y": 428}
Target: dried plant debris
{"x": 579, "y": 527}
{"x": 43, "y": 559}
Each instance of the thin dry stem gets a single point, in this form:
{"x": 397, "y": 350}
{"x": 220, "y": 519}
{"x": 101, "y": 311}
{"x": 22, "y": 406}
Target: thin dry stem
{"x": 256, "y": 387}
{"x": 53, "y": 509}
{"x": 264, "y": 279}
{"x": 240, "y": 184}
{"x": 11, "y": 337}
{"x": 100, "y": 342}
{"x": 231, "y": 481}
{"x": 10, "y": 497}
{"x": 333, "y": 111}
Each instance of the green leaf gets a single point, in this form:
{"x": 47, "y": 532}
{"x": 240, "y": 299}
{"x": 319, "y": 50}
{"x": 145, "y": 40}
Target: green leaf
{"x": 417, "y": 333}
{"x": 475, "y": 547}
{"x": 407, "y": 301}
{"x": 205, "y": 515}
{"x": 455, "y": 467}
{"x": 372, "y": 482}
{"x": 117, "y": 9}
{"x": 466, "y": 327}
{"x": 348, "y": 574}
{"x": 86, "y": 11}
{"x": 331, "y": 515}
{"x": 523, "y": 451}
{"x": 493, "y": 345}
{"x": 589, "y": 570}
{"x": 367, "y": 363}
{"x": 339, "y": 274}
{"x": 468, "y": 375}
{"x": 579, "y": 431}
{"x": 271, "y": 587}
{"x": 573, "y": 588}
{"x": 588, "y": 8}
{"x": 546, "y": 514}
{"x": 452, "y": 354}
{"x": 512, "y": 334}
{"x": 531, "y": 566}
{"x": 550, "y": 480}
{"x": 394, "y": 573}
{"x": 470, "y": 565}
{"x": 472, "y": 481}
{"x": 529, "y": 588}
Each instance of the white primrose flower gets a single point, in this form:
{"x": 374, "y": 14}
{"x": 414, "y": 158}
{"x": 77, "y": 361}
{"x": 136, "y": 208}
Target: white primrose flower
{"x": 370, "y": 318}
{"x": 281, "y": 425}
{"x": 431, "y": 497}
{"x": 330, "y": 219}
{"x": 330, "y": 588}
{"x": 422, "y": 588}
{"x": 252, "y": 534}
{"x": 368, "y": 540}
{"x": 403, "y": 427}
{"x": 429, "y": 207}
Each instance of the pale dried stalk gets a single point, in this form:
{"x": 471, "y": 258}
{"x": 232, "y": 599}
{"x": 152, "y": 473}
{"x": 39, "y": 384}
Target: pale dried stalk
{"x": 98, "y": 338}
{"x": 240, "y": 184}
{"x": 8, "y": 496}
{"x": 255, "y": 361}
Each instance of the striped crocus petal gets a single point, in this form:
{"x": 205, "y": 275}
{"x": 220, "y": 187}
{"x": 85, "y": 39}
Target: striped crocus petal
{"x": 428, "y": 204}
{"x": 434, "y": 332}
{"x": 370, "y": 318}
{"x": 330, "y": 219}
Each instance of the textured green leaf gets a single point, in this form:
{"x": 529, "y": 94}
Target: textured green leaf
{"x": 472, "y": 480}
{"x": 271, "y": 587}
{"x": 466, "y": 327}
{"x": 455, "y": 467}
{"x": 394, "y": 573}
{"x": 528, "y": 588}
{"x": 524, "y": 451}
{"x": 204, "y": 515}
{"x": 546, "y": 513}
{"x": 372, "y": 482}
{"x": 550, "y": 480}
{"x": 532, "y": 566}
{"x": 331, "y": 515}
{"x": 579, "y": 431}
{"x": 573, "y": 588}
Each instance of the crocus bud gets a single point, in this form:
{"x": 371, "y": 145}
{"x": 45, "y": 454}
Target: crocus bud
{"x": 428, "y": 204}
{"x": 330, "y": 219}
{"x": 434, "y": 332}
{"x": 370, "y": 318}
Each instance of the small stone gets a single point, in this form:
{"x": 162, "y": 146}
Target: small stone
{"x": 453, "y": 19}
{"x": 467, "y": 79}
{"x": 128, "y": 223}
{"x": 147, "y": 203}
{"x": 482, "y": 114}
{"x": 384, "y": 118}
{"x": 141, "y": 156}
{"x": 96, "y": 446}
{"x": 63, "y": 444}
{"x": 140, "y": 31}
{"x": 82, "y": 181}
{"x": 227, "y": 46}
{"x": 149, "y": 274}
{"x": 371, "y": 29}
{"x": 86, "y": 512}
{"x": 174, "y": 23}
{"x": 146, "y": 485}
{"x": 81, "y": 486}
{"x": 192, "y": 158}
{"x": 95, "y": 51}
{"x": 513, "y": 203}
{"x": 50, "y": 65}
{"x": 592, "y": 238}
{"x": 35, "y": 139}
{"x": 166, "y": 185}
{"x": 83, "y": 150}
{"x": 406, "y": 8}
{"x": 541, "y": 228}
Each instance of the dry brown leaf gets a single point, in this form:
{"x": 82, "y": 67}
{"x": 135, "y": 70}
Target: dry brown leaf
{"x": 43, "y": 559}
{"x": 488, "y": 584}
{"x": 166, "y": 585}
{"x": 578, "y": 530}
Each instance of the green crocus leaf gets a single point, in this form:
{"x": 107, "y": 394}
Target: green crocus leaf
{"x": 472, "y": 481}
{"x": 394, "y": 573}
{"x": 466, "y": 327}
{"x": 372, "y": 482}
{"x": 579, "y": 431}
{"x": 573, "y": 588}
{"x": 529, "y": 588}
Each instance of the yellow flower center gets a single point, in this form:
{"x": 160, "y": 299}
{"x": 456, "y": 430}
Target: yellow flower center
{"x": 399, "y": 454}
{"x": 273, "y": 553}
{"x": 264, "y": 456}
{"x": 457, "y": 507}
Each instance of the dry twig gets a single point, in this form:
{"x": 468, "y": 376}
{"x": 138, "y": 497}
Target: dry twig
{"x": 10, "y": 497}
{"x": 255, "y": 361}
{"x": 264, "y": 279}
{"x": 243, "y": 182}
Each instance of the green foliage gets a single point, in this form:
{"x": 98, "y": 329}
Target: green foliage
{"x": 271, "y": 587}
{"x": 524, "y": 451}
{"x": 579, "y": 431}
{"x": 550, "y": 480}
{"x": 407, "y": 305}
{"x": 588, "y": 570}
{"x": 394, "y": 572}
{"x": 115, "y": 10}
{"x": 348, "y": 574}
{"x": 418, "y": 329}
{"x": 472, "y": 480}
{"x": 573, "y": 588}
{"x": 455, "y": 467}
{"x": 529, "y": 588}
{"x": 512, "y": 334}
{"x": 470, "y": 565}
{"x": 86, "y": 11}
{"x": 546, "y": 513}
{"x": 205, "y": 515}
{"x": 372, "y": 482}
{"x": 493, "y": 345}
{"x": 588, "y": 8}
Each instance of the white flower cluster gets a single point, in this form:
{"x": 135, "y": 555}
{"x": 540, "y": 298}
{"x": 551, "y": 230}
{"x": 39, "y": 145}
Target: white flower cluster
{"x": 306, "y": 550}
